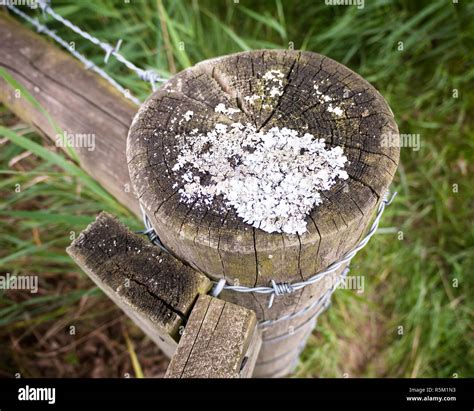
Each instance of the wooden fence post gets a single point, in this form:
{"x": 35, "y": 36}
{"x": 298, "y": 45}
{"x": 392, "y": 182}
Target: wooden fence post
{"x": 317, "y": 96}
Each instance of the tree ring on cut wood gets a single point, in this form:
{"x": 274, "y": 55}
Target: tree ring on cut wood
{"x": 318, "y": 96}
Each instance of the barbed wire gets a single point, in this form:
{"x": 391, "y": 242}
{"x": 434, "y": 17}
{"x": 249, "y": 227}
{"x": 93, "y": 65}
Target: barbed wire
{"x": 41, "y": 28}
{"x": 146, "y": 75}
{"x": 324, "y": 300}
{"x": 149, "y": 231}
{"x": 283, "y": 288}
{"x": 278, "y": 289}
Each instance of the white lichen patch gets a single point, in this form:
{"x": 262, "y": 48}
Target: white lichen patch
{"x": 273, "y": 179}
{"x": 253, "y": 98}
{"x": 272, "y": 88}
{"x": 221, "y": 108}
{"x": 338, "y": 111}
{"x": 188, "y": 115}
{"x": 274, "y": 82}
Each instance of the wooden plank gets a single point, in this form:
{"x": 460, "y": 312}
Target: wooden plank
{"x": 78, "y": 100}
{"x": 221, "y": 340}
{"x": 150, "y": 286}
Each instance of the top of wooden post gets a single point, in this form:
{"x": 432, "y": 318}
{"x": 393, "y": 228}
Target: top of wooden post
{"x": 296, "y": 90}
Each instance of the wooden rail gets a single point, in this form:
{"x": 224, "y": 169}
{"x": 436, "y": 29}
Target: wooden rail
{"x": 79, "y": 101}
{"x": 221, "y": 340}
{"x": 152, "y": 288}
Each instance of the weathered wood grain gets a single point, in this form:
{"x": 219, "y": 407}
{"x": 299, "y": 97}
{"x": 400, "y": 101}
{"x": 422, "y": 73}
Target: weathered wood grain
{"x": 79, "y": 101}
{"x": 154, "y": 289}
{"x": 221, "y": 340}
{"x": 220, "y": 244}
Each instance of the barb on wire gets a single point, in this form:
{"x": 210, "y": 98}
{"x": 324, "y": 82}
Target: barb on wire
{"x": 111, "y": 50}
{"x": 281, "y": 288}
{"x": 146, "y": 75}
{"x": 323, "y": 301}
{"x": 41, "y": 28}
{"x": 150, "y": 232}
{"x": 278, "y": 289}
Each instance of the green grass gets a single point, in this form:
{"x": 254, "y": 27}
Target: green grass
{"x": 409, "y": 282}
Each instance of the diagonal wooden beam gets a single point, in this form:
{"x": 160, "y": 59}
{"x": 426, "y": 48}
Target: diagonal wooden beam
{"x": 151, "y": 287}
{"x": 79, "y": 101}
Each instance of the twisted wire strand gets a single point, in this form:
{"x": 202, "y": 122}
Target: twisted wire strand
{"x": 149, "y": 231}
{"x": 278, "y": 289}
{"x": 89, "y": 65}
{"x": 146, "y": 75}
{"x": 323, "y": 300}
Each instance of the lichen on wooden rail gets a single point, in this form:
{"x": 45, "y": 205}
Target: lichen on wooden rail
{"x": 153, "y": 288}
